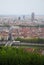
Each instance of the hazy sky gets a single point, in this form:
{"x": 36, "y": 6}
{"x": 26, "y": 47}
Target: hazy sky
{"x": 19, "y": 7}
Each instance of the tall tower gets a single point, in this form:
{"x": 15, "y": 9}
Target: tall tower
{"x": 32, "y": 16}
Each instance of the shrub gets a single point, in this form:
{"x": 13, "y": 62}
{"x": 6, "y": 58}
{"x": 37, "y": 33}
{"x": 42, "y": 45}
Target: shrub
{"x": 17, "y": 56}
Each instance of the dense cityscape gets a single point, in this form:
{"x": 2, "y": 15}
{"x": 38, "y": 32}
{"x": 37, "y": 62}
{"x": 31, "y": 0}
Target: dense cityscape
{"x": 21, "y": 26}
{"x": 21, "y": 32}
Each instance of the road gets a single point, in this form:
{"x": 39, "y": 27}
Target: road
{"x": 11, "y": 43}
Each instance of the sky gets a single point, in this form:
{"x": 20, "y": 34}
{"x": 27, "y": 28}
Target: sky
{"x": 21, "y": 7}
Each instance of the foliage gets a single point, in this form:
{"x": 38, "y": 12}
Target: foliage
{"x": 30, "y": 40}
{"x": 18, "y": 56}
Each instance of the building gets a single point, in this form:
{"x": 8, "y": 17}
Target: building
{"x": 32, "y": 16}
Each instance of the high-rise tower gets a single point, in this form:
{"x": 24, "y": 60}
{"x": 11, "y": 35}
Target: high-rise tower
{"x": 32, "y": 16}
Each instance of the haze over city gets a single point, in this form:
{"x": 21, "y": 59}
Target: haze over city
{"x": 21, "y": 32}
{"x": 21, "y": 7}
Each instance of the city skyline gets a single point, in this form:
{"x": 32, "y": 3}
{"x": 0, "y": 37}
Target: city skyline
{"x": 21, "y": 7}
